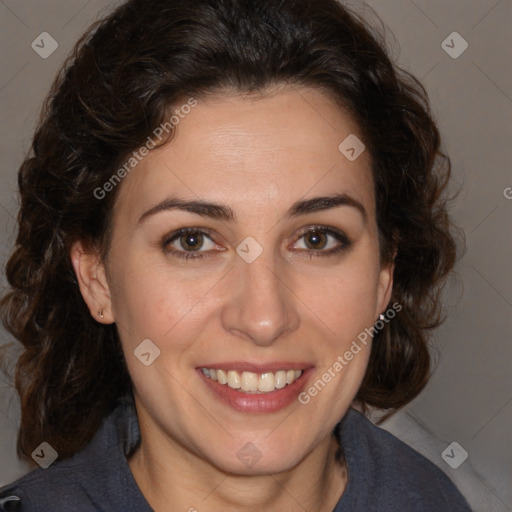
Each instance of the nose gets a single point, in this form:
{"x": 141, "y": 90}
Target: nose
{"x": 261, "y": 306}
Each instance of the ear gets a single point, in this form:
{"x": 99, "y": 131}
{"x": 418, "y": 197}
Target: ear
{"x": 385, "y": 286}
{"x": 92, "y": 279}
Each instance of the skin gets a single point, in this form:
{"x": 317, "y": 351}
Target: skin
{"x": 258, "y": 156}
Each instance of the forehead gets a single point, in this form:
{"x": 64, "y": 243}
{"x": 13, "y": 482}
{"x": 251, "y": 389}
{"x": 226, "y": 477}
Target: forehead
{"x": 253, "y": 152}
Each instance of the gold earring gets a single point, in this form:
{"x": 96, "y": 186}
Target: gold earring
{"x": 100, "y": 313}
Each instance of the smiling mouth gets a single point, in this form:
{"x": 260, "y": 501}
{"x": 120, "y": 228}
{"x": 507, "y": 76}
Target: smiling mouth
{"x": 253, "y": 383}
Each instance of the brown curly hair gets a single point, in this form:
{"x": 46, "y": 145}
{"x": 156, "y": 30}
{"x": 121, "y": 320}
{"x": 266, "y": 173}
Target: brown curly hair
{"x": 115, "y": 89}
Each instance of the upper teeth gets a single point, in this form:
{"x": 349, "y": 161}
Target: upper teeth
{"x": 253, "y": 382}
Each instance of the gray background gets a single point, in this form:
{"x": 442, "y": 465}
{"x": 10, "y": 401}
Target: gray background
{"x": 469, "y": 400}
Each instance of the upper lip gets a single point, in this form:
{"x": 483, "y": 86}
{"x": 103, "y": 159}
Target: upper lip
{"x": 245, "y": 366}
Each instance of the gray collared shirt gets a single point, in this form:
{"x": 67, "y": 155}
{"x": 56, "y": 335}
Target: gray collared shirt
{"x": 384, "y": 474}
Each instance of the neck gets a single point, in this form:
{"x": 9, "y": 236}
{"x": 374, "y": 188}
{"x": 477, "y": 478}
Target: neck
{"x": 167, "y": 473}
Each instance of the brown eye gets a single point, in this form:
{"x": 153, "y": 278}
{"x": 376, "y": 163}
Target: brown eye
{"x": 191, "y": 241}
{"x": 322, "y": 241}
{"x": 188, "y": 242}
{"x": 315, "y": 240}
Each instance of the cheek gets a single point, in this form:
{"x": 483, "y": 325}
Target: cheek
{"x": 353, "y": 304}
{"x": 151, "y": 302}
{"x": 150, "y": 305}
{"x": 344, "y": 299}
{"x": 137, "y": 300}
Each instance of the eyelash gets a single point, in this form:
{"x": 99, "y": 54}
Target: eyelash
{"x": 345, "y": 243}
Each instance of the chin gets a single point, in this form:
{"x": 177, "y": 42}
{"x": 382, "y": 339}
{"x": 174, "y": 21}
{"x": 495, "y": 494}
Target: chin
{"x": 251, "y": 462}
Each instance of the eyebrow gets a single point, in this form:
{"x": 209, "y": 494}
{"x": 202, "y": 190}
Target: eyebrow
{"x": 221, "y": 212}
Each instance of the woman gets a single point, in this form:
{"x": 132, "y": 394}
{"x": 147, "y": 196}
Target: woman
{"x": 232, "y": 238}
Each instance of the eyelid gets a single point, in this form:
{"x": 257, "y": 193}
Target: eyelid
{"x": 320, "y": 227}
{"x": 183, "y": 231}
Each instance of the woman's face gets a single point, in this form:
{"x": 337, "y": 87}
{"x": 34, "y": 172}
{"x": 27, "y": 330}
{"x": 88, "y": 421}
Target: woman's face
{"x": 279, "y": 272}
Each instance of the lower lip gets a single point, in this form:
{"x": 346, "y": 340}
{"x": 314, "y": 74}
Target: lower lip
{"x": 257, "y": 402}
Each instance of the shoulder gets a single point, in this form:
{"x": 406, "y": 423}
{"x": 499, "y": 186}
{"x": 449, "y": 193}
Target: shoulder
{"x": 391, "y": 473}
{"x": 97, "y": 478}
{"x": 55, "y": 488}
